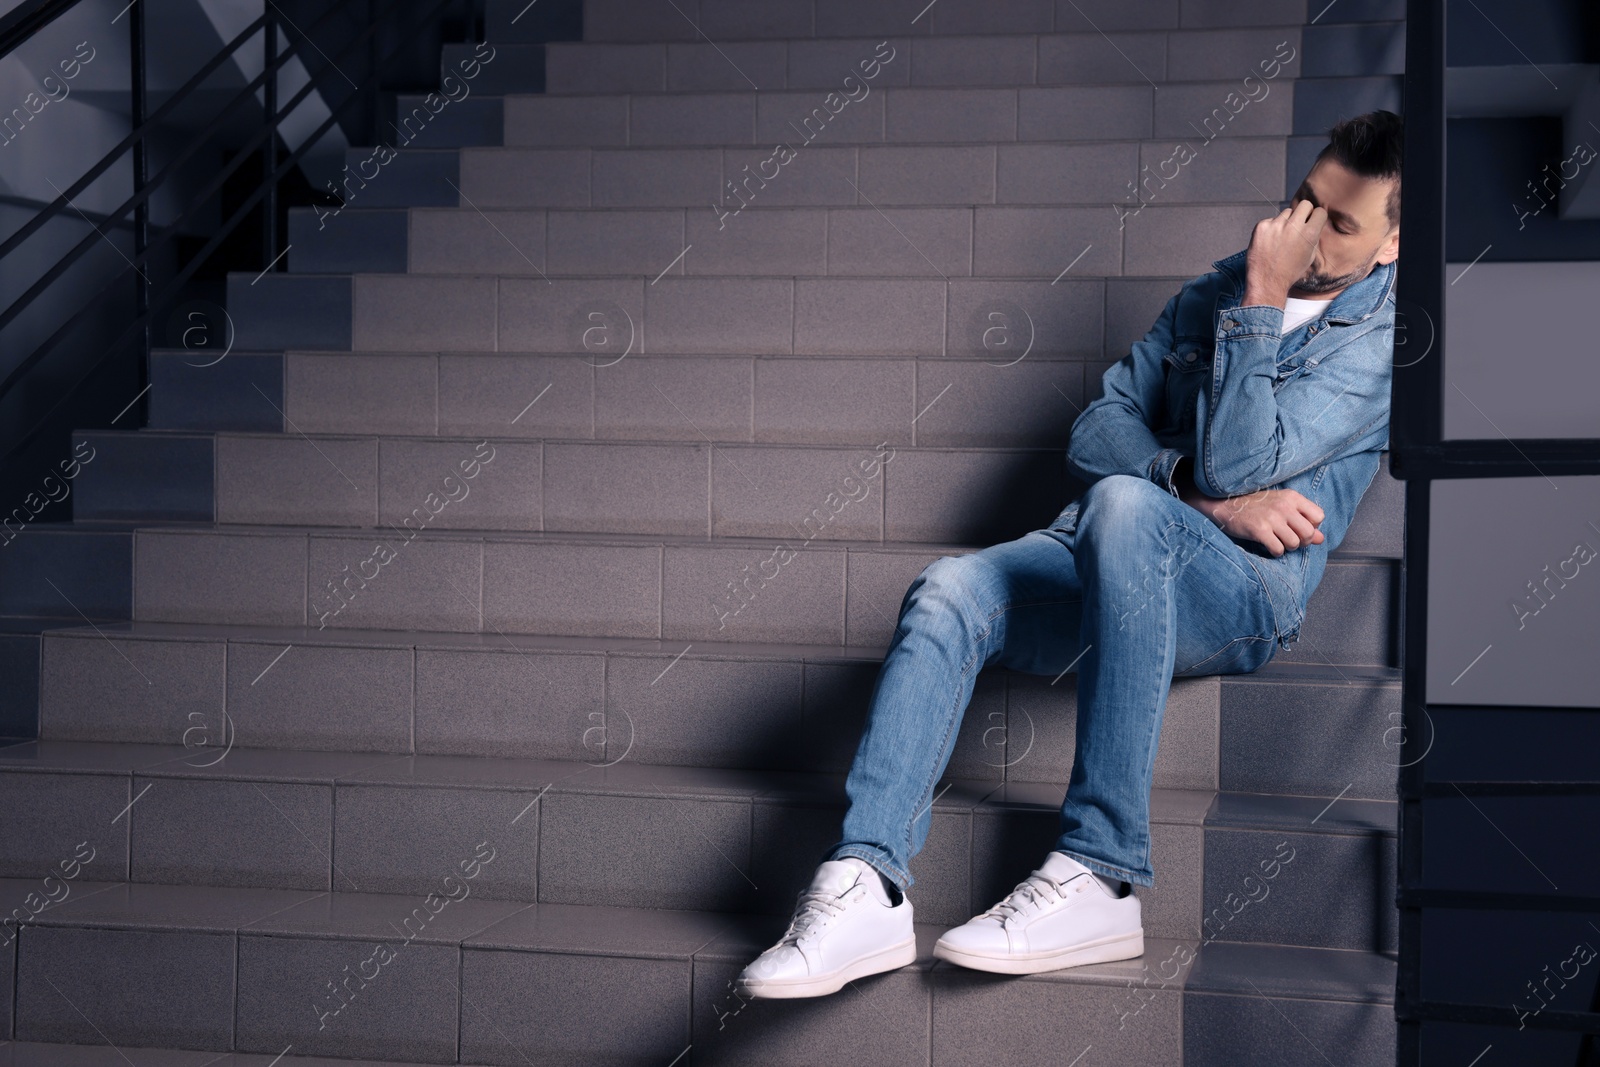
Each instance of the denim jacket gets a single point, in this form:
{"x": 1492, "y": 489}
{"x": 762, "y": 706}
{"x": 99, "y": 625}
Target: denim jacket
{"x": 1216, "y": 382}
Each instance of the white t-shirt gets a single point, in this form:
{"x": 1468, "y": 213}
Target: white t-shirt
{"x": 1297, "y": 312}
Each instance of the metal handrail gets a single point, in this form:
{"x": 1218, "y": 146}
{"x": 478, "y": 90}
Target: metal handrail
{"x": 151, "y": 305}
{"x": 142, "y": 192}
{"x": 141, "y": 195}
{"x": 60, "y": 203}
{"x": 22, "y": 22}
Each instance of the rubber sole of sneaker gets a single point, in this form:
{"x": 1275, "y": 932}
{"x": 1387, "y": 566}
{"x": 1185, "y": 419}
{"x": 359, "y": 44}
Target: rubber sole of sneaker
{"x": 889, "y": 959}
{"x": 1124, "y": 947}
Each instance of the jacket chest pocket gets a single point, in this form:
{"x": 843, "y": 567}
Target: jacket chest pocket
{"x": 1188, "y": 369}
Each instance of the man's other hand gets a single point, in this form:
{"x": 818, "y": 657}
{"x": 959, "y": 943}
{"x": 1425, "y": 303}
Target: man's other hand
{"x": 1280, "y": 520}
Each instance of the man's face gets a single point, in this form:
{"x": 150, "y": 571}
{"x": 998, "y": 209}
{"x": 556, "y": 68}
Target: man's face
{"x": 1357, "y": 235}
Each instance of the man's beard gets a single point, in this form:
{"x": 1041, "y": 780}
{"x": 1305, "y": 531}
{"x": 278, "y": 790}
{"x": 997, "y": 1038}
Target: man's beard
{"x": 1316, "y": 282}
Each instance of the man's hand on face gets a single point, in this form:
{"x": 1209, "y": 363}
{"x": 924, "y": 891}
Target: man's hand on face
{"x": 1281, "y": 250}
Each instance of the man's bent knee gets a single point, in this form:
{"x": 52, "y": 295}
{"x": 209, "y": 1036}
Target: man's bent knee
{"x": 1122, "y": 504}
{"x": 951, "y": 583}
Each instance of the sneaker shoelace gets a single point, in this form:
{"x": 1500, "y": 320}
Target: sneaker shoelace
{"x": 1036, "y": 889}
{"x": 813, "y": 909}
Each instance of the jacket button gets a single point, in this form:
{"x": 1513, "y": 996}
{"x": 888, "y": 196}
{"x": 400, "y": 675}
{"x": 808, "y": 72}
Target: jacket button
{"x": 1190, "y": 357}
{"x": 1228, "y": 324}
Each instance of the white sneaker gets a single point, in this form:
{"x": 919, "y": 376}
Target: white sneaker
{"x": 1061, "y": 915}
{"x": 844, "y": 928}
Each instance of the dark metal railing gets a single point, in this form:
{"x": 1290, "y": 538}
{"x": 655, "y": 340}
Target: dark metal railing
{"x": 150, "y": 301}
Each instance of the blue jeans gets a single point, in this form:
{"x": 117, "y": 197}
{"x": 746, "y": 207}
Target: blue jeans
{"x": 1143, "y": 587}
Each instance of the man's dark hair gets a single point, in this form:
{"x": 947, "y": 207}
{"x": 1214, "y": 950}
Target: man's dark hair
{"x": 1370, "y": 146}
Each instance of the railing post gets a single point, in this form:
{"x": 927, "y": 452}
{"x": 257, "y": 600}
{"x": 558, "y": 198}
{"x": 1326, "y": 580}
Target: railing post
{"x": 374, "y": 102}
{"x": 140, "y": 165}
{"x": 269, "y": 149}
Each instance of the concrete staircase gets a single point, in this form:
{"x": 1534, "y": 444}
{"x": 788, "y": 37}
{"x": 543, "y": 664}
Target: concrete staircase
{"x": 462, "y": 563}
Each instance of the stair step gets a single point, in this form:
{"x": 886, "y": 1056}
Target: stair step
{"x": 1089, "y": 172}
{"x": 1321, "y": 102}
{"x": 629, "y": 834}
{"x": 614, "y": 317}
{"x": 857, "y": 65}
{"x": 154, "y": 476}
{"x": 986, "y": 59}
{"x": 525, "y": 22}
{"x": 62, "y": 571}
{"x": 1302, "y": 727}
{"x": 678, "y": 489}
{"x": 786, "y": 707}
{"x": 616, "y": 585}
{"x": 718, "y": 20}
{"x": 347, "y": 240}
{"x": 433, "y": 121}
{"x": 505, "y": 67}
{"x": 20, "y": 666}
{"x": 406, "y": 177}
{"x": 193, "y": 391}
{"x": 898, "y": 175}
{"x": 726, "y": 398}
{"x": 713, "y": 704}
{"x": 856, "y": 242}
{"x": 798, "y": 244}
{"x": 906, "y": 115}
{"x": 522, "y": 980}
{"x": 617, "y": 399}
{"x": 681, "y": 488}
{"x": 605, "y": 319}
{"x": 1266, "y": 1005}
{"x": 1184, "y": 109}
{"x": 543, "y": 583}
{"x": 272, "y": 310}
{"x": 772, "y": 399}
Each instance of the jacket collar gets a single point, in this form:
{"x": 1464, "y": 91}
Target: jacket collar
{"x": 1358, "y": 301}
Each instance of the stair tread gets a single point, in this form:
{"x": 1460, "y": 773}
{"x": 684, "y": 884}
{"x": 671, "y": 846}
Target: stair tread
{"x": 1275, "y": 672}
{"x": 1192, "y": 807}
{"x": 1109, "y": 355}
{"x": 661, "y": 933}
{"x": 714, "y": 146}
{"x": 1293, "y": 971}
{"x": 842, "y": 278}
{"x": 629, "y": 540}
{"x": 621, "y": 540}
{"x": 444, "y": 639}
{"x": 1268, "y": 811}
{"x": 1089, "y": 203}
{"x": 1254, "y": 27}
{"x": 645, "y": 149}
{"x": 819, "y": 93}
{"x": 1288, "y": 672}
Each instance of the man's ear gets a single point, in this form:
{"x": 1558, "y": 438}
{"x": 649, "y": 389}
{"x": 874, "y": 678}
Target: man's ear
{"x": 1391, "y": 248}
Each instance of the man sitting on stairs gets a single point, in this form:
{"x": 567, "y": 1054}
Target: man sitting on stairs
{"x": 1225, "y": 461}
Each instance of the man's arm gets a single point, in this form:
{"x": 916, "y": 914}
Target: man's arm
{"x": 1280, "y": 520}
{"x": 1112, "y": 435}
{"x": 1249, "y": 437}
